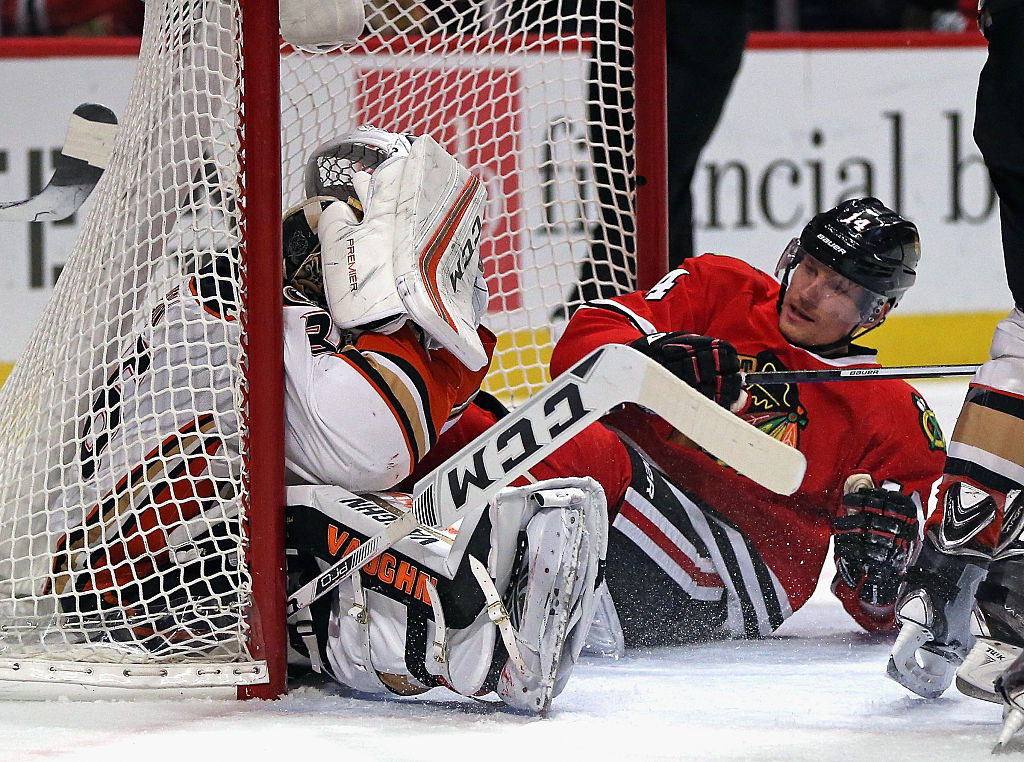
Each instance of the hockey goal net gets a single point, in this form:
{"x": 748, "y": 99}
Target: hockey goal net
{"x": 140, "y": 454}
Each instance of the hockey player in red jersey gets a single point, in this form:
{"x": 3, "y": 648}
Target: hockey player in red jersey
{"x": 698, "y": 551}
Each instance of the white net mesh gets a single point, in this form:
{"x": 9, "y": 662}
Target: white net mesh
{"x": 535, "y": 97}
{"x": 121, "y": 477}
{"x": 122, "y": 471}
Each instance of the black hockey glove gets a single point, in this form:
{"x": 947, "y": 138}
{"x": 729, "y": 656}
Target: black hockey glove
{"x": 708, "y": 365}
{"x": 873, "y": 542}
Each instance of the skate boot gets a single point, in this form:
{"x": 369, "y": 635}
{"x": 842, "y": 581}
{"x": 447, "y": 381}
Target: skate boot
{"x": 605, "y": 636}
{"x": 553, "y": 593}
{"x": 999, "y": 628}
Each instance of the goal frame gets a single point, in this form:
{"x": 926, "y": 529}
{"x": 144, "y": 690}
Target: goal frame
{"x": 259, "y": 22}
{"x": 261, "y": 202}
{"x": 261, "y": 218}
{"x": 651, "y": 112}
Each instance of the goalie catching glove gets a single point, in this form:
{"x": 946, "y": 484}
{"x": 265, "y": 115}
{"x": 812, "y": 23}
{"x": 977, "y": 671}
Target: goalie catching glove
{"x": 873, "y": 542}
{"x": 709, "y": 365}
{"x": 414, "y": 255}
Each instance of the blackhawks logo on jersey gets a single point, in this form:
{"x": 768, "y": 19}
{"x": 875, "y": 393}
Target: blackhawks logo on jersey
{"x": 774, "y": 408}
{"x": 929, "y": 423}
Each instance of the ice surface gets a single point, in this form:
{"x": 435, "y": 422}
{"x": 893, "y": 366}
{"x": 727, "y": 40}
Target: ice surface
{"x": 815, "y": 691}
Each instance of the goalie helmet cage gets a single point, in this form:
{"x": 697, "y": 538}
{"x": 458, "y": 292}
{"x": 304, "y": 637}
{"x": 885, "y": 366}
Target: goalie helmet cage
{"x": 141, "y": 444}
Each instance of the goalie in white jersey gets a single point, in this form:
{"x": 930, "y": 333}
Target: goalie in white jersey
{"x": 383, "y": 349}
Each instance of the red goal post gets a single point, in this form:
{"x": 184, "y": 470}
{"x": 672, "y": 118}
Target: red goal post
{"x": 142, "y": 543}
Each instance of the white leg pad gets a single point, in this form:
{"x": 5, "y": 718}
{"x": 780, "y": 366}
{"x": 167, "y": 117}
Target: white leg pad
{"x": 566, "y": 533}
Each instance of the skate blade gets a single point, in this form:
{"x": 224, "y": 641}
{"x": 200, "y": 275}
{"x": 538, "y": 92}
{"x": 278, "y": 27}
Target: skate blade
{"x": 977, "y": 692}
{"x": 1013, "y": 720}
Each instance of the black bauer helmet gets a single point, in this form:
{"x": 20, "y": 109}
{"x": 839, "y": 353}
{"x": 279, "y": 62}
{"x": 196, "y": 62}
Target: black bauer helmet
{"x": 867, "y": 242}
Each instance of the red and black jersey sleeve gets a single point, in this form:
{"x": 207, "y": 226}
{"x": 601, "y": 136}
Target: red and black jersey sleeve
{"x": 694, "y": 298}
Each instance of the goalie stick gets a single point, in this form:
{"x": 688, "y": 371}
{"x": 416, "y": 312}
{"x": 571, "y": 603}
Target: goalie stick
{"x": 77, "y": 169}
{"x": 857, "y": 374}
{"x": 601, "y": 381}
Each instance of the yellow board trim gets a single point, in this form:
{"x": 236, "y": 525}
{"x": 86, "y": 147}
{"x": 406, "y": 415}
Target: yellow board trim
{"x": 950, "y": 338}
{"x": 521, "y": 358}
{"x": 520, "y": 365}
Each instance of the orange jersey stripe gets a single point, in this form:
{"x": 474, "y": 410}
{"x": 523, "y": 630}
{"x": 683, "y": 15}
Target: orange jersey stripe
{"x": 446, "y": 382}
{"x": 385, "y": 393}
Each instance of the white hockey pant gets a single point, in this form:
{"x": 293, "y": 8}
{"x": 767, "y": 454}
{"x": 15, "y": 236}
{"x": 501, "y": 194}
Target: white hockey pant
{"x": 1004, "y": 371}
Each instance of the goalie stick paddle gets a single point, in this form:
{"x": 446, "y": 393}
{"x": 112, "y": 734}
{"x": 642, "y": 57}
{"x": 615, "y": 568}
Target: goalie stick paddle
{"x": 77, "y": 169}
{"x": 857, "y": 374}
{"x": 603, "y": 380}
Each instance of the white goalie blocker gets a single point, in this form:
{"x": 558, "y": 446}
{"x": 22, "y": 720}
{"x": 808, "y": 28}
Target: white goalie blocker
{"x": 415, "y": 254}
{"x": 544, "y": 543}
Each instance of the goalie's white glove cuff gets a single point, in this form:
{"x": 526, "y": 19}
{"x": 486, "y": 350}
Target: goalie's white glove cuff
{"x": 925, "y": 672}
{"x": 481, "y": 297}
{"x": 437, "y": 237}
{"x": 356, "y": 256}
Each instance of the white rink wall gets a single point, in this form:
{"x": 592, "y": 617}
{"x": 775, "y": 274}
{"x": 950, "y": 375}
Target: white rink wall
{"x": 804, "y": 129}
{"x": 816, "y": 691}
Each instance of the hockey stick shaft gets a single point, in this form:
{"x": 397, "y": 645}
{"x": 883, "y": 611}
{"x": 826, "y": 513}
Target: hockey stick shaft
{"x": 77, "y": 168}
{"x": 858, "y": 374}
{"x": 440, "y": 497}
{"x": 606, "y": 378}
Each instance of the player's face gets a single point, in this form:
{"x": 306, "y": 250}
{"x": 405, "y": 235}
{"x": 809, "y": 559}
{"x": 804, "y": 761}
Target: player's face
{"x": 820, "y": 306}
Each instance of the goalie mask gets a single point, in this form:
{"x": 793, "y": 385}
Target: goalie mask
{"x": 301, "y": 245}
{"x": 414, "y": 256}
